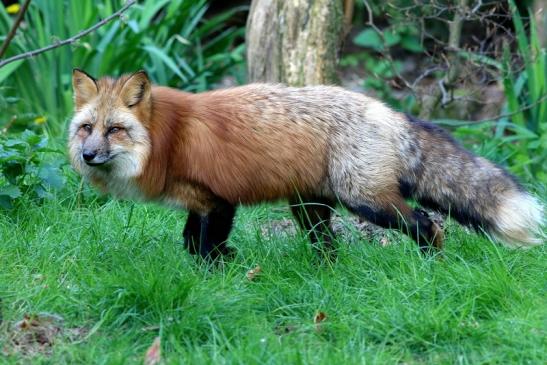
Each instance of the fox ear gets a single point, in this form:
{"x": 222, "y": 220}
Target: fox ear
{"x": 136, "y": 89}
{"x": 85, "y": 87}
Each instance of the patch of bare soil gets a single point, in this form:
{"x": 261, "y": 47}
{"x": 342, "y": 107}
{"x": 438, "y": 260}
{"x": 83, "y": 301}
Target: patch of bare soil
{"x": 37, "y": 334}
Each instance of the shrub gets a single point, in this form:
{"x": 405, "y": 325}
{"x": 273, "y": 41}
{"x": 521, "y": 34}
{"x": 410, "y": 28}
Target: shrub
{"x": 27, "y": 168}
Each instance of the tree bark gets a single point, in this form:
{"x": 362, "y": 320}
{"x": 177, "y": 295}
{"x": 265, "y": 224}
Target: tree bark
{"x": 540, "y": 13}
{"x": 295, "y": 42}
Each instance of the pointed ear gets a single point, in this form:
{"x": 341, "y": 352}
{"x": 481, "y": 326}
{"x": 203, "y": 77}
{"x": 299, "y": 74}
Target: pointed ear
{"x": 136, "y": 89}
{"x": 85, "y": 87}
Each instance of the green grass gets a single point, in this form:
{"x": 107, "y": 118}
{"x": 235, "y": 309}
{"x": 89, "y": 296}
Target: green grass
{"x": 119, "y": 271}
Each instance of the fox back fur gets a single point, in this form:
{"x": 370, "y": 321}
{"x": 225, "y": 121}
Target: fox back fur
{"x": 315, "y": 146}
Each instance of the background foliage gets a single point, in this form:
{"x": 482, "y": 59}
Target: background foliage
{"x": 172, "y": 40}
{"x": 404, "y": 49}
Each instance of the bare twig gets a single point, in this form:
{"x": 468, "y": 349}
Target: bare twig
{"x": 14, "y": 27}
{"x": 507, "y": 115}
{"x": 476, "y": 7}
{"x": 497, "y": 117}
{"x": 68, "y": 40}
{"x": 370, "y": 21}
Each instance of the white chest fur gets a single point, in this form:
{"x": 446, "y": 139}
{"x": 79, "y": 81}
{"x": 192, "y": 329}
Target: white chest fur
{"x": 124, "y": 188}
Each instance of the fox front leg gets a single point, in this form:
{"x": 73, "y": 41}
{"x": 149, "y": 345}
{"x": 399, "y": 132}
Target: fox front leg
{"x": 206, "y": 234}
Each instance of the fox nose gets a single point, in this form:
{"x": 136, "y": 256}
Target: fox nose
{"x": 89, "y": 155}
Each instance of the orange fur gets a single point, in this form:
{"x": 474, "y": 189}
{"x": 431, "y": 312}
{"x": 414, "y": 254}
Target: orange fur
{"x": 193, "y": 142}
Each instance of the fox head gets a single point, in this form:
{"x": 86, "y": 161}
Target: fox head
{"x": 108, "y": 136}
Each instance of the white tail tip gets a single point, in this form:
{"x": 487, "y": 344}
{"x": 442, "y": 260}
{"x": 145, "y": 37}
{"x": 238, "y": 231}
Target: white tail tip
{"x": 519, "y": 221}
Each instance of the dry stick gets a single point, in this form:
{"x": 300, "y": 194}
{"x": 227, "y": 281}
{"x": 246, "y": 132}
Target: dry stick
{"x": 68, "y": 40}
{"x": 349, "y": 6}
{"x": 455, "y": 32}
{"x": 14, "y": 27}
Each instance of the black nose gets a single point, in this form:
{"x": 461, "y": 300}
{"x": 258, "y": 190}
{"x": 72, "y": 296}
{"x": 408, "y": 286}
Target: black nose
{"x": 89, "y": 155}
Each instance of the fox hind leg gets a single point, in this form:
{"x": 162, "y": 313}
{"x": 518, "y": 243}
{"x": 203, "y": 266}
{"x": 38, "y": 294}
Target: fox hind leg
{"x": 206, "y": 235}
{"x": 392, "y": 211}
{"x": 313, "y": 215}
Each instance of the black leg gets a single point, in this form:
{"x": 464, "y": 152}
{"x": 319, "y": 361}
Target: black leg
{"x": 192, "y": 233}
{"x": 313, "y": 215}
{"x": 400, "y": 216}
{"x": 207, "y": 234}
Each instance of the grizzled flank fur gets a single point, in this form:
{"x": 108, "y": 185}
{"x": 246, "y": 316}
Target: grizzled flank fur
{"x": 212, "y": 151}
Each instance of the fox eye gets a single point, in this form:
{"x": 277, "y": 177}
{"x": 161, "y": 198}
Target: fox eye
{"x": 114, "y": 130}
{"x": 87, "y": 127}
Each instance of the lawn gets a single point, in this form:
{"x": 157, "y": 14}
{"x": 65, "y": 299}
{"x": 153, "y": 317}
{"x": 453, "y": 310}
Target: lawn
{"x": 89, "y": 280}
{"x": 108, "y": 277}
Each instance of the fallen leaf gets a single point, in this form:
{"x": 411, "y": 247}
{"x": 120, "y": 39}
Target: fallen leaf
{"x": 318, "y": 319}
{"x": 153, "y": 354}
{"x": 253, "y": 273}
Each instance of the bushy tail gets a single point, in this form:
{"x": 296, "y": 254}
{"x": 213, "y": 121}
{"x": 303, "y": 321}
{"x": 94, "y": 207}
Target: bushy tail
{"x": 473, "y": 190}
{"x": 519, "y": 220}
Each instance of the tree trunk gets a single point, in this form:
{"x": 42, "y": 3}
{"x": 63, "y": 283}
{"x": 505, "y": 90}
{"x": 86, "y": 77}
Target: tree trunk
{"x": 295, "y": 42}
{"x": 540, "y": 13}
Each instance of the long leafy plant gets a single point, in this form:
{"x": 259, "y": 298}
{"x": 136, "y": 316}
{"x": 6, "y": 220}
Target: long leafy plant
{"x": 171, "y": 39}
{"x": 519, "y": 137}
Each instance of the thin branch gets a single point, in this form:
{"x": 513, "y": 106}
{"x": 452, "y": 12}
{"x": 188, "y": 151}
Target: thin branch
{"x": 476, "y": 7}
{"x": 14, "y": 27}
{"x": 68, "y": 40}
{"x": 507, "y": 115}
{"x": 370, "y": 21}
{"x": 349, "y": 6}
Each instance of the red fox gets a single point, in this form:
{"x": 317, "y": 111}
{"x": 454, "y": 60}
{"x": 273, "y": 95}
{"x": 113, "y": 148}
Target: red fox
{"x": 316, "y": 146}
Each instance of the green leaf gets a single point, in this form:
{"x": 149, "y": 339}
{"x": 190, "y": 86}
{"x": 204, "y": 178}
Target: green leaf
{"x": 12, "y": 171}
{"x": 482, "y": 59}
{"x": 162, "y": 55}
{"x": 51, "y": 176}
{"x": 5, "y": 202}
{"x": 509, "y": 89}
{"x": 391, "y": 38}
{"x": 41, "y": 192}
{"x": 369, "y": 38}
{"x": 150, "y": 8}
{"x": 33, "y": 139}
{"x": 16, "y": 143}
{"x": 411, "y": 43}
{"x": 11, "y": 191}
{"x": 9, "y": 69}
